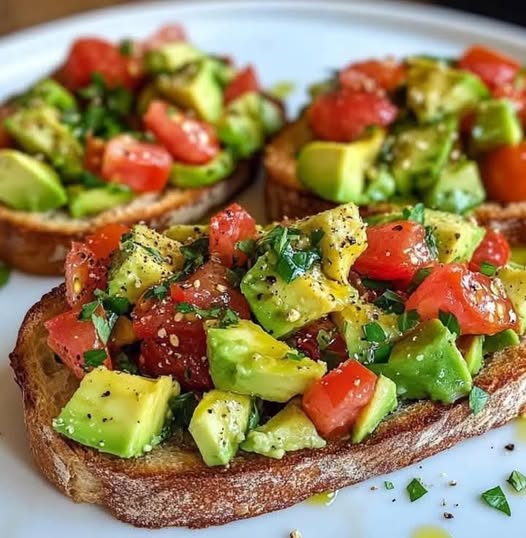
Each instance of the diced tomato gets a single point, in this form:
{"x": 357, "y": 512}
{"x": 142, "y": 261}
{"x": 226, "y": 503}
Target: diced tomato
{"x": 227, "y": 228}
{"x": 93, "y": 55}
{"x": 106, "y": 239}
{"x": 493, "y": 249}
{"x": 70, "y": 338}
{"x": 373, "y": 74}
{"x": 170, "y": 33}
{"x": 495, "y": 69}
{"x": 84, "y": 273}
{"x": 395, "y": 251}
{"x": 334, "y": 401}
{"x": 504, "y": 173}
{"x": 245, "y": 81}
{"x": 343, "y": 116}
{"x": 187, "y": 139}
{"x": 143, "y": 166}
{"x": 93, "y": 154}
{"x": 479, "y": 303}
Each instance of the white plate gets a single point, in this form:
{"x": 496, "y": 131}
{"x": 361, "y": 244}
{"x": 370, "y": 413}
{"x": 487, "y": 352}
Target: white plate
{"x": 287, "y": 41}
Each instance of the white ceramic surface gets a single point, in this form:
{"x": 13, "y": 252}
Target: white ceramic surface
{"x": 297, "y": 41}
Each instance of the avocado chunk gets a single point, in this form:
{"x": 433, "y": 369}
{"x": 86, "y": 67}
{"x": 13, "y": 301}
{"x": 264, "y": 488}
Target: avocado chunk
{"x": 471, "y": 347}
{"x": 420, "y": 153}
{"x": 336, "y": 171}
{"x": 380, "y": 185}
{"x": 195, "y": 87}
{"x": 457, "y": 189}
{"x": 500, "y": 341}
{"x": 343, "y": 239}
{"x": 49, "y": 92}
{"x": 218, "y": 425}
{"x": 351, "y": 320}
{"x": 144, "y": 258}
{"x": 170, "y": 57}
{"x": 456, "y": 237}
{"x": 28, "y": 184}
{"x": 289, "y": 430}
{"x": 245, "y": 359}
{"x": 435, "y": 89}
{"x": 193, "y": 176}
{"x": 496, "y": 124}
{"x": 117, "y": 413}
{"x": 513, "y": 277}
{"x": 39, "y": 130}
{"x": 425, "y": 363}
{"x": 280, "y": 306}
{"x": 186, "y": 233}
{"x": 83, "y": 202}
{"x": 382, "y": 403}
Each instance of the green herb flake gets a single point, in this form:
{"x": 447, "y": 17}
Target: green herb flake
{"x": 419, "y": 277}
{"x": 126, "y": 48}
{"x": 295, "y": 355}
{"x": 375, "y": 285}
{"x": 184, "y": 308}
{"x": 495, "y": 498}
{"x": 373, "y": 332}
{"x": 158, "y": 292}
{"x": 324, "y": 339}
{"x": 254, "y": 418}
{"x": 416, "y": 489}
{"x": 478, "y": 398}
{"x": 415, "y": 213}
{"x": 88, "y": 310}
{"x": 449, "y": 321}
{"x": 182, "y": 407}
{"x": 391, "y": 302}
{"x": 381, "y": 353}
{"x": 408, "y": 320}
{"x": 5, "y": 273}
{"x": 517, "y": 481}
{"x": 125, "y": 364}
{"x": 388, "y": 485}
{"x": 117, "y": 305}
{"x": 488, "y": 269}
{"x": 247, "y": 246}
{"x": 102, "y": 327}
{"x": 94, "y": 358}
{"x": 431, "y": 242}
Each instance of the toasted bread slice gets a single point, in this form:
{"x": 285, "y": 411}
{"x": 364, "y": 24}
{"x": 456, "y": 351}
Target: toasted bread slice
{"x": 38, "y": 242}
{"x": 172, "y": 486}
{"x": 287, "y": 197}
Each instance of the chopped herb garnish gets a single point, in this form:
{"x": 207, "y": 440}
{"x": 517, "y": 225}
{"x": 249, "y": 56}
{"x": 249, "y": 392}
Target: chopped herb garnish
{"x": 184, "y": 308}
{"x": 160, "y": 291}
{"x": 408, "y": 320}
{"x": 94, "y": 358}
{"x": 228, "y": 317}
{"x": 416, "y": 490}
{"x": 247, "y": 246}
{"x": 324, "y": 339}
{"x": 88, "y": 310}
{"x": 117, "y": 305}
{"x": 419, "y": 277}
{"x": 478, "y": 398}
{"x": 518, "y": 481}
{"x": 376, "y": 285}
{"x": 225, "y": 316}
{"x": 449, "y": 321}
{"x": 102, "y": 326}
{"x": 195, "y": 254}
{"x": 292, "y": 264}
{"x": 415, "y": 213}
{"x": 255, "y": 414}
{"x": 374, "y": 332}
{"x": 124, "y": 364}
{"x": 5, "y": 272}
{"x": 390, "y": 301}
{"x": 495, "y": 498}
{"x": 182, "y": 407}
{"x": 126, "y": 47}
{"x": 316, "y": 236}
{"x": 431, "y": 242}
{"x": 91, "y": 181}
{"x": 488, "y": 269}
{"x": 382, "y": 352}
{"x": 234, "y": 276}
{"x": 388, "y": 485}
{"x": 295, "y": 355}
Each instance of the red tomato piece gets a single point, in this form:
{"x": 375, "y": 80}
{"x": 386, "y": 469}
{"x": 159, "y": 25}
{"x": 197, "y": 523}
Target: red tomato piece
{"x": 493, "y": 249}
{"x": 479, "y": 303}
{"x": 371, "y": 75}
{"x": 495, "y": 69}
{"x": 143, "y": 166}
{"x": 334, "y": 401}
{"x": 170, "y": 33}
{"x": 93, "y": 154}
{"x": 245, "y": 81}
{"x": 93, "y": 55}
{"x": 70, "y": 338}
{"x": 504, "y": 173}
{"x": 395, "y": 251}
{"x": 84, "y": 273}
{"x": 106, "y": 239}
{"x": 343, "y": 116}
{"x": 227, "y": 228}
{"x": 187, "y": 139}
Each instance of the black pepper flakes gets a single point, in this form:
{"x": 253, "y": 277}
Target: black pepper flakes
{"x": 448, "y": 515}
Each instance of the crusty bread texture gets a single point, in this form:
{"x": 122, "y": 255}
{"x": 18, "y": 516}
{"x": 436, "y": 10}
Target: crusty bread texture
{"x": 38, "y": 242}
{"x": 171, "y": 486}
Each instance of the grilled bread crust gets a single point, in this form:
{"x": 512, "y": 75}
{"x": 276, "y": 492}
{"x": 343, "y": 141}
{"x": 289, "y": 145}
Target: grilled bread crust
{"x": 38, "y": 242}
{"x": 171, "y": 486}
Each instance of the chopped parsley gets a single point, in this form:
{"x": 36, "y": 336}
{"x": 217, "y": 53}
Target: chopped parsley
{"x": 388, "y": 485}
{"x": 408, "y": 320}
{"x": 324, "y": 339}
{"x": 478, "y": 398}
{"x": 380, "y": 353}
{"x": 124, "y": 364}
{"x": 391, "y": 302}
{"x": 195, "y": 255}
{"x": 94, "y": 358}
{"x": 488, "y": 269}
{"x": 102, "y": 326}
{"x": 376, "y": 285}
{"x": 247, "y": 246}
{"x": 495, "y": 498}
{"x": 182, "y": 407}
{"x": 295, "y": 355}
{"x": 416, "y": 489}
{"x": 419, "y": 277}
{"x": 415, "y": 213}
{"x": 374, "y": 332}
{"x": 255, "y": 414}
{"x": 225, "y": 316}
{"x": 126, "y": 48}
{"x": 449, "y": 321}
{"x": 517, "y": 481}
{"x": 431, "y": 242}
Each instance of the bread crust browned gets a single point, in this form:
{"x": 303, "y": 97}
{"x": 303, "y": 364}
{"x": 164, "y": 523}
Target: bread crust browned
{"x": 285, "y": 196}
{"x": 38, "y": 243}
{"x": 172, "y": 487}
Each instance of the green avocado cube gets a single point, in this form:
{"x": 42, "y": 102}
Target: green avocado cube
{"x": 425, "y": 363}
{"x": 498, "y": 342}
{"x": 287, "y": 431}
{"x": 513, "y": 277}
{"x": 186, "y": 233}
{"x": 49, "y": 92}
{"x": 245, "y": 359}
{"x": 117, "y": 413}
{"x": 218, "y": 425}
{"x": 83, "y": 202}
{"x": 28, "y": 184}
{"x": 170, "y": 57}
{"x": 471, "y": 347}
{"x": 193, "y": 175}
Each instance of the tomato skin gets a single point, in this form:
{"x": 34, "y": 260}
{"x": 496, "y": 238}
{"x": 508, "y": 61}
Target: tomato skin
{"x": 504, "y": 173}
{"x": 343, "y": 116}
{"x": 106, "y": 239}
{"x": 187, "y": 139}
{"x": 93, "y": 154}
{"x": 143, "y": 166}
{"x": 334, "y": 401}
{"x": 480, "y": 304}
{"x": 227, "y": 227}
{"x": 70, "y": 338}
{"x": 373, "y": 74}
{"x": 495, "y": 69}
{"x": 395, "y": 251}
{"x": 245, "y": 81}
{"x": 93, "y": 55}
{"x": 493, "y": 249}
